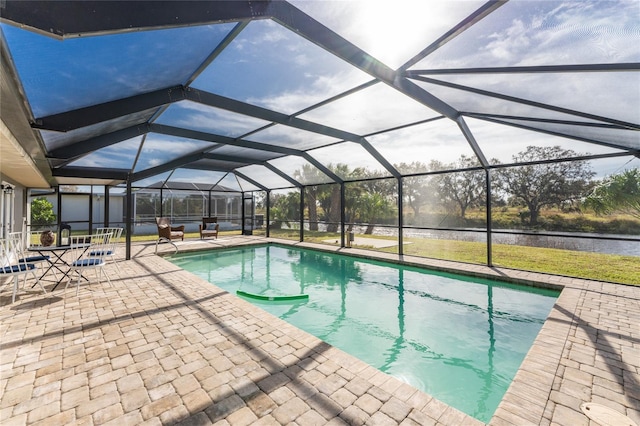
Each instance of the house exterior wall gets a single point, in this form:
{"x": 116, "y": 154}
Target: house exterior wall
{"x": 13, "y": 212}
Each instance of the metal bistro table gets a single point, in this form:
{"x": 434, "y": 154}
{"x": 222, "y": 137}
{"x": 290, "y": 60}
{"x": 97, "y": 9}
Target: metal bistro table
{"x": 55, "y": 258}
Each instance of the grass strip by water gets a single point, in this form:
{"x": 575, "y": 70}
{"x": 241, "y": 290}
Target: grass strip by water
{"x": 579, "y": 264}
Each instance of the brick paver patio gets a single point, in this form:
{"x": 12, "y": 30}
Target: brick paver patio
{"x": 164, "y": 347}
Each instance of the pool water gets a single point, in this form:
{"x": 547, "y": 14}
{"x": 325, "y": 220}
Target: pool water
{"x": 459, "y": 339}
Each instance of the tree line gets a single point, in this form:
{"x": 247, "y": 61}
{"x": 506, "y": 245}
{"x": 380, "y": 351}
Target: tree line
{"x": 544, "y": 181}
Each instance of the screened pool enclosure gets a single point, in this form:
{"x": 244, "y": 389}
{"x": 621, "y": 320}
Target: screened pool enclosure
{"x": 460, "y": 130}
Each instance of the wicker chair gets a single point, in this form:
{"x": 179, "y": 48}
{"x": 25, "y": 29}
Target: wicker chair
{"x": 209, "y": 227}
{"x": 168, "y": 232}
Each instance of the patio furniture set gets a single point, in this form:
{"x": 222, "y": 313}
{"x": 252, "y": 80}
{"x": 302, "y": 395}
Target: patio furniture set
{"x": 21, "y": 256}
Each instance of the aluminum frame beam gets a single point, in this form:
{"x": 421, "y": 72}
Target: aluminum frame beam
{"x": 633, "y": 126}
{"x": 91, "y": 173}
{"x": 465, "y": 24}
{"x": 86, "y": 146}
{"x": 82, "y": 117}
{"x": 95, "y": 114}
{"x": 538, "y": 69}
{"x": 219, "y": 139}
{"x": 70, "y": 19}
{"x": 251, "y": 181}
{"x": 282, "y": 174}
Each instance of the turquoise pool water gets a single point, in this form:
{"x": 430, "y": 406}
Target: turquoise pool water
{"x": 459, "y": 339}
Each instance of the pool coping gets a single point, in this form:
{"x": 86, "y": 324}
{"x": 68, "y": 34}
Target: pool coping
{"x": 548, "y": 366}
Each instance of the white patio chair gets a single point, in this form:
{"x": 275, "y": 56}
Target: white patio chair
{"x": 25, "y": 256}
{"x": 81, "y": 246}
{"x": 11, "y": 266}
{"x": 111, "y": 247}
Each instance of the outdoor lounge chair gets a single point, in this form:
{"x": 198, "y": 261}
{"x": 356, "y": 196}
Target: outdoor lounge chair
{"x": 168, "y": 232}
{"x": 209, "y": 227}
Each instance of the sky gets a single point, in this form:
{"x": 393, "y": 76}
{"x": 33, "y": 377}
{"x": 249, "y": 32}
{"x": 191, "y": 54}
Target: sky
{"x": 270, "y": 66}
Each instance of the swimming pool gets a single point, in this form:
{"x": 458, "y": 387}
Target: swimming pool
{"x": 459, "y": 339}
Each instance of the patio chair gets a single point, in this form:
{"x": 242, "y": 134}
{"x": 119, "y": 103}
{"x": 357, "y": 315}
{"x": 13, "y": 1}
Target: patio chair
{"x": 168, "y": 232}
{"x": 23, "y": 255}
{"x": 111, "y": 246}
{"x": 209, "y": 227}
{"x": 12, "y": 266}
{"x": 81, "y": 248}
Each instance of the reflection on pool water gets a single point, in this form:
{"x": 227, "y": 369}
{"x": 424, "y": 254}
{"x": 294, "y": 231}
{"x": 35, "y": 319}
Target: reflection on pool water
{"x": 457, "y": 338}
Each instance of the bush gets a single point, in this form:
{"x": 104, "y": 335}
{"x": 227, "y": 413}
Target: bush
{"x": 42, "y": 212}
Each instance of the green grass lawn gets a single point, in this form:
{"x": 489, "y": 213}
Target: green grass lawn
{"x": 579, "y": 264}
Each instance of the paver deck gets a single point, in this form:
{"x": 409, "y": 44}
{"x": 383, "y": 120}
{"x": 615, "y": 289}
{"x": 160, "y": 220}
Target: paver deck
{"x": 164, "y": 347}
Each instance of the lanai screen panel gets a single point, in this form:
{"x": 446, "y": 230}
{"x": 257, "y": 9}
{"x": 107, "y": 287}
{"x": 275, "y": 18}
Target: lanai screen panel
{"x": 349, "y": 161}
{"x": 414, "y": 149}
{"x": 117, "y": 156}
{"x": 151, "y": 181}
{"x": 203, "y": 118}
{"x": 55, "y": 140}
{"x": 528, "y": 33}
{"x": 247, "y": 186}
{"x": 370, "y": 110}
{"x": 501, "y": 143}
{"x": 624, "y": 137}
{"x": 57, "y": 75}
{"x": 159, "y": 149}
{"x": 293, "y": 72}
{"x": 593, "y": 93}
{"x": 231, "y": 182}
{"x": 301, "y": 170}
{"x": 483, "y": 105}
{"x": 285, "y": 136}
{"x": 264, "y": 176}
